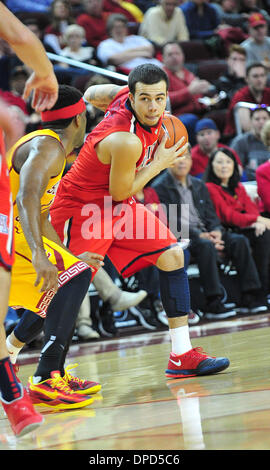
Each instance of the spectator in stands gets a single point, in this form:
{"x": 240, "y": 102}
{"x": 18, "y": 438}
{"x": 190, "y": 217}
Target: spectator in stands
{"x": 74, "y": 38}
{"x": 93, "y": 20}
{"x": 229, "y": 14}
{"x": 249, "y": 146}
{"x": 122, "y": 50}
{"x": 257, "y": 45}
{"x": 151, "y": 307}
{"x": 60, "y": 15}
{"x": 207, "y": 135}
{"x": 255, "y": 91}
{"x": 208, "y": 240}
{"x": 235, "y": 78}
{"x": 185, "y": 88}
{"x": 201, "y": 18}
{"x": 263, "y": 174}
{"x": 247, "y": 7}
{"x": 17, "y": 81}
{"x": 238, "y": 212}
{"x": 163, "y": 23}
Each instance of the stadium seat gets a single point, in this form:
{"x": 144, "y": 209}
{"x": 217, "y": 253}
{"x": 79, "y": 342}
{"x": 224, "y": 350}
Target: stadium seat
{"x": 211, "y": 69}
{"x": 195, "y": 51}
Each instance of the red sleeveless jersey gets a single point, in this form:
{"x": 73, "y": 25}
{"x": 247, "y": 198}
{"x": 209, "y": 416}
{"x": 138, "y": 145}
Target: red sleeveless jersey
{"x": 88, "y": 179}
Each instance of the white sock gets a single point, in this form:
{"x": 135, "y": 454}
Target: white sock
{"x": 12, "y": 350}
{"x": 180, "y": 340}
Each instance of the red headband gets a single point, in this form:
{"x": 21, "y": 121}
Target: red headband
{"x": 64, "y": 113}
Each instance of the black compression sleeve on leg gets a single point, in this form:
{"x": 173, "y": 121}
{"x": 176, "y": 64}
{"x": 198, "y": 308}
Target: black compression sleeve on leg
{"x": 29, "y": 327}
{"x": 174, "y": 292}
{"x": 60, "y": 321}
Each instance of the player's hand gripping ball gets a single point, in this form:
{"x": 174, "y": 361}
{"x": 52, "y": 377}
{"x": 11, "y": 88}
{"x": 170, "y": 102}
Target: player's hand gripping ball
{"x": 174, "y": 129}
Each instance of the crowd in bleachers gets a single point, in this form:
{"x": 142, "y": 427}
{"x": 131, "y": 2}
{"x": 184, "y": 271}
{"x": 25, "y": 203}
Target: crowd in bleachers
{"x": 217, "y": 57}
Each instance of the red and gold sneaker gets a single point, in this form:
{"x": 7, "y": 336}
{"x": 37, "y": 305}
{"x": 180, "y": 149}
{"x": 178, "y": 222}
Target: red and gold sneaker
{"x": 21, "y": 414}
{"x": 195, "y": 362}
{"x": 81, "y": 386}
{"x": 55, "y": 393}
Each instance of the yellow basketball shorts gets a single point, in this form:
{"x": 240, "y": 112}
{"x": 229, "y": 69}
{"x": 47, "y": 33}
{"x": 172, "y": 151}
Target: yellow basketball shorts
{"x": 23, "y": 293}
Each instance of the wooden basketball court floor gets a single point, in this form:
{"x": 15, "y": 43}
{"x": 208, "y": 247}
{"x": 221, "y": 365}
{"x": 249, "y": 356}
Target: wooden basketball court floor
{"x": 139, "y": 409}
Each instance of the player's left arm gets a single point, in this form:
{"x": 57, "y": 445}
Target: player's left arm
{"x": 125, "y": 150}
{"x": 32, "y": 53}
{"x": 101, "y": 96}
{"x": 44, "y": 160}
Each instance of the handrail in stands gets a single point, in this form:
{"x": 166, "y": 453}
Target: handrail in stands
{"x": 242, "y": 104}
{"x": 91, "y": 68}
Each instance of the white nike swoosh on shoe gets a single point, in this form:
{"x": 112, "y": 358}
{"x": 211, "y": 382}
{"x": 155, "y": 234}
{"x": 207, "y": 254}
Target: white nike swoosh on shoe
{"x": 178, "y": 363}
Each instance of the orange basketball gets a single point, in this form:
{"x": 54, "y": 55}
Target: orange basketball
{"x": 174, "y": 129}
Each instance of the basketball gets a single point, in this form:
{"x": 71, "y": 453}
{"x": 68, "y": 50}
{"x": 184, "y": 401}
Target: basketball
{"x": 174, "y": 129}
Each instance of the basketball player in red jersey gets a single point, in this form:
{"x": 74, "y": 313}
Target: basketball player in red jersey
{"x": 43, "y": 83}
{"x": 120, "y": 156}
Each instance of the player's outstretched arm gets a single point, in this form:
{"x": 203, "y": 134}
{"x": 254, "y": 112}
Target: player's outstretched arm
{"x": 30, "y": 50}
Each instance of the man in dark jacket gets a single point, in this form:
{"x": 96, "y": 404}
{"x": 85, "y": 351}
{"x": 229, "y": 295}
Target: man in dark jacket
{"x": 191, "y": 212}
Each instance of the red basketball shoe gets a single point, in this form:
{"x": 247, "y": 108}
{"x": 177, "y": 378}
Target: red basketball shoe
{"x": 81, "y": 386}
{"x": 55, "y": 393}
{"x": 195, "y": 362}
{"x": 21, "y": 414}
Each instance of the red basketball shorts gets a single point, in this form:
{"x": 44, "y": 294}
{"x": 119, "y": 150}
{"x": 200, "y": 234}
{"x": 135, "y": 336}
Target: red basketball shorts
{"x": 128, "y": 233}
